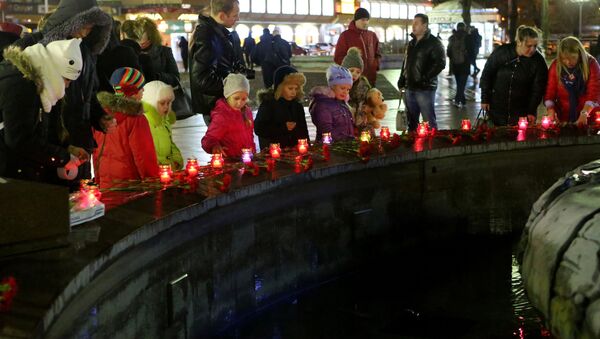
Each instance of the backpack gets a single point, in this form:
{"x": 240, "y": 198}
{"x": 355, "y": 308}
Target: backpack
{"x": 458, "y": 49}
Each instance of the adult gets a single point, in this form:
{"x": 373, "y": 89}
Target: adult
{"x": 9, "y": 33}
{"x": 80, "y": 111}
{"x": 130, "y": 35}
{"x": 212, "y": 56}
{"x": 514, "y": 79}
{"x": 163, "y": 61}
{"x": 357, "y": 35}
{"x": 459, "y": 59}
{"x": 271, "y": 53}
{"x": 573, "y": 83}
{"x": 237, "y": 47}
{"x": 184, "y": 51}
{"x": 32, "y": 81}
{"x": 249, "y": 45}
{"x": 425, "y": 59}
{"x": 473, "y": 46}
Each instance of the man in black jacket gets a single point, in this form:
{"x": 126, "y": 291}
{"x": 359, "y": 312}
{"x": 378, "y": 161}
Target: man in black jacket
{"x": 271, "y": 53}
{"x": 212, "y": 56}
{"x": 425, "y": 60}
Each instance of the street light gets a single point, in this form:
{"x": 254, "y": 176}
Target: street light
{"x": 580, "y": 2}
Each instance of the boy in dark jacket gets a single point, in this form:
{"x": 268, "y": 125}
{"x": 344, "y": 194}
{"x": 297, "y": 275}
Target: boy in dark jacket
{"x": 280, "y": 118}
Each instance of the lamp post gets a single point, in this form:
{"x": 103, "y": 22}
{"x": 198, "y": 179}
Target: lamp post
{"x": 580, "y": 2}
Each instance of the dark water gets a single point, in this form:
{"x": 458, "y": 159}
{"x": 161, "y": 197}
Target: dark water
{"x": 460, "y": 288}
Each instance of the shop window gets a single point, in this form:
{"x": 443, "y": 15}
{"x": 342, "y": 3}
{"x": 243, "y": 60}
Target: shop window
{"x": 395, "y": 11}
{"x": 412, "y": 11}
{"x": 385, "y": 10}
{"x": 258, "y": 6}
{"x": 244, "y": 6}
{"x": 289, "y": 8}
{"x": 375, "y": 10}
{"x": 315, "y": 7}
{"x": 366, "y": 5}
{"x": 257, "y": 31}
{"x": 242, "y": 30}
{"x": 302, "y": 7}
{"x": 403, "y": 11}
{"x": 421, "y": 9}
{"x": 274, "y": 6}
{"x": 328, "y": 7}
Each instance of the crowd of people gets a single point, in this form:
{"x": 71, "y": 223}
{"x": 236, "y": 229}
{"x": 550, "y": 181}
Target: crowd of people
{"x": 85, "y": 87}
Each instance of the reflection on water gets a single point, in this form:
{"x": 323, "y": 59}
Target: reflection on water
{"x": 459, "y": 288}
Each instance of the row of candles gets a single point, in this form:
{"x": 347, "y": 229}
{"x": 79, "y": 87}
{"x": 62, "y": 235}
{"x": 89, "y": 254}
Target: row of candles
{"x": 465, "y": 125}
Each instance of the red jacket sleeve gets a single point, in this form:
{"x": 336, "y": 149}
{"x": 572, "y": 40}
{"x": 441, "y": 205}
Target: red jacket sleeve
{"x": 552, "y": 87}
{"x": 341, "y": 48}
{"x": 592, "y": 92}
{"x": 216, "y": 131}
{"x": 142, "y": 147}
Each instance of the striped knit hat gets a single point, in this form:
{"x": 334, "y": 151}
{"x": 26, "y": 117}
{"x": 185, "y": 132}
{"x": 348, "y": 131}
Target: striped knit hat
{"x": 127, "y": 81}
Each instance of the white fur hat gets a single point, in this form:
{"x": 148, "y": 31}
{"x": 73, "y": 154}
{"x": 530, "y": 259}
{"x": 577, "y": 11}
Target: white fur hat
{"x": 235, "y": 83}
{"x": 66, "y": 57}
{"x": 155, "y": 91}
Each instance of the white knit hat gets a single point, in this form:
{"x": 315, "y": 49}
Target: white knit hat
{"x": 66, "y": 57}
{"x": 235, "y": 82}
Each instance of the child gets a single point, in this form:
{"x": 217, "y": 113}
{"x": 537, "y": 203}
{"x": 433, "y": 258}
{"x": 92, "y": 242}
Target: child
{"x": 280, "y": 118}
{"x": 231, "y": 124}
{"x": 127, "y": 153}
{"x": 329, "y": 109}
{"x": 157, "y": 100}
{"x": 360, "y": 85}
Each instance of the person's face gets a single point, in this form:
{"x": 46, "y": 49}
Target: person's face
{"x": 569, "y": 60}
{"x": 229, "y": 19}
{"x": 237, "y": 100}
{"x": 341, "y": 91}
{"x": 83, "y": 32}
{"x": 164, "y": 106}
{"x": 527, "y": 47}
{"x": 418, "y": 27}
{"x": 356, "y": 73}
{"x": 289, "y": 92}
{"x": 144, "y": 38}
{"x": 362, "y": 23}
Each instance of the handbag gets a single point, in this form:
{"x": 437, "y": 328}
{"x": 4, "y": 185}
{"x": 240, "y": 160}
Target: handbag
{"x": 182, "y": 105}
{"x": 401, "y": 117}
{"x": 482, "y": 119}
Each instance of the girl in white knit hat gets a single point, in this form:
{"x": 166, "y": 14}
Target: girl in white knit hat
{"x": 231, "y": 127}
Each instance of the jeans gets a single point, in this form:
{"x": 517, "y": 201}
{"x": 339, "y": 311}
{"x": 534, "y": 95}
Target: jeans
{"x": 461, "y": 83}
{"x": 420, "y": 102}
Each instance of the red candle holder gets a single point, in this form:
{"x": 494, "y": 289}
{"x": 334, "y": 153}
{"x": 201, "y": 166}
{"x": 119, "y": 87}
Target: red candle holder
{"x": 216, "y": 161}
{"x": 423, "y": 129}
{"x": 465, "y": 125}
{"x": 191, "y": 166}
{"x": 546, "y": 122}
{"x": 384, "y": 134}
{"x": 523, "y": 123}
{"x": 597, "y": 118}
{"x": 302, "y": 146}
{"x": 275, "y": 151}
{"x": 164, "y": 172}
{"x": 246, "y": 155}
{"x": 326, "y": 137}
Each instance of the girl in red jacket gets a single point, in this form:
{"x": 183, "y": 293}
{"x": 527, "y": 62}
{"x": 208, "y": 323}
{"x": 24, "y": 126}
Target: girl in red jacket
{"x": 231, "y": 125}
{"x": 126, "y": 153}
{"x": 573, "y": 83}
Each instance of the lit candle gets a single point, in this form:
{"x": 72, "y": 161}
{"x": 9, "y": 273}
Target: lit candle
{"x": 164, "y": 171}
{"x": 523, "y": 123}
{"x": 521, "y": 135}
{"x": 327, "y": 138}
{"x": 302, "y": 146}
{"x": 365, "y": 136}
{"x": 216, "y": 161}
{"x": 275, "y": 151}
{"x": 597, "y": 118}
{"x": 192, "y": 166}
{"x": 546, "y": 122}
{"x": 384, "y": 133}
{"x": 246, "y": 155}
{"x": 465, "y": 125}
{"x": 423, "y": 129}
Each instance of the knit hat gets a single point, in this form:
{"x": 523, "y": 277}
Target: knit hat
{"x": 155, "y": 91}
{"x": 127, "y": 81}
{"x": 361, "y": 13}
{"x": 285, "y": 75}
{"x": 235, "y": 82}
{"x": 66, "y": 57}
{"x": 353, "y": 59}
{"x": 338, "y": 75}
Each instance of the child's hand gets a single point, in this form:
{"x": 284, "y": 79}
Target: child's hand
{"x": 219, "y": 150}
{"x": 290, "y": 125}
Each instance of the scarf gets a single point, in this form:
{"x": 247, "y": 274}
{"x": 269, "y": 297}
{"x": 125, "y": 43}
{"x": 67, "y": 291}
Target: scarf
{"x": 53, "y": 84}
{"x": 572, "y": 79}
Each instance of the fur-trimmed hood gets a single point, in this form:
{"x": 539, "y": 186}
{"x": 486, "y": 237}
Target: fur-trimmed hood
{"x": 71, "y": 16}
{"x": 22, "y": 62}
{"x": 322, "y": 91}
{"x": 265, "y": 95}
{"x": 113, "y": 103}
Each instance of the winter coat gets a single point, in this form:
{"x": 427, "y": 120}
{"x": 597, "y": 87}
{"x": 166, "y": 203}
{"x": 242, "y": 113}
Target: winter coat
{"x": 212, "y": 58}
{"x": 367, "y": 42}
{"x": 330, "y": 115}
{"x": 557, "y": 94}
{"x": 145, "y": 60}
{"x": 6, "y": 39}
{"x": 25, "y": 152}
{"x": 358, "y": 94}
{"x": 114, "y": 56}
{"x": 160, "y": 126}
{"x": 425, "y": 60}
{"x": 128, "y": 152}
{"x": 163, "y": 64}
{"x": 230, "y": 129}
{"x": 249, "y": 45}
{"x": 458, "y": 43}
{"x": 270, "y": 124}
{"x": 513, "y": 85}
{"x": 270, "y": 54}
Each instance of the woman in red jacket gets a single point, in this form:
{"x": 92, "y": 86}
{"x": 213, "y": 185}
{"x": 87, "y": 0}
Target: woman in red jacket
{"x": 573, "y": 83}
{"x": 127, "y": 153}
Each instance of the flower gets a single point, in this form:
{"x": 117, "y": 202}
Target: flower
{"x": 8, "y": 290}
{"x": 224, "y": 183}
